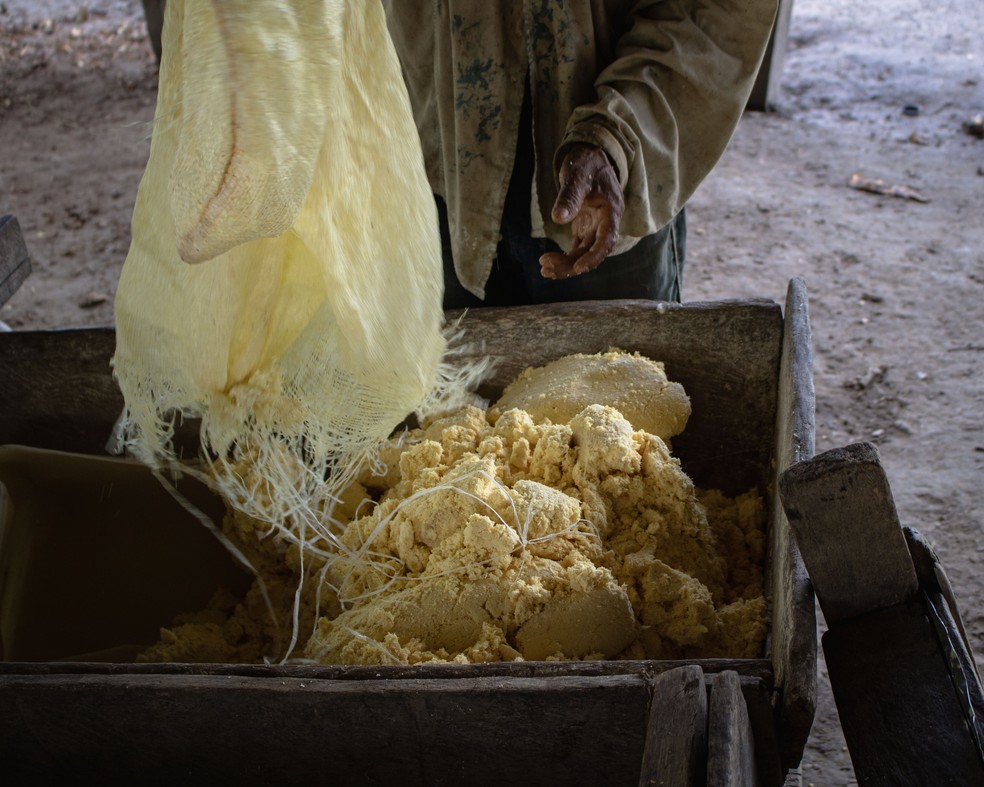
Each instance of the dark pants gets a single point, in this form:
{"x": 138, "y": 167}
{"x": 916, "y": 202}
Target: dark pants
{"x": 652, "y": 269}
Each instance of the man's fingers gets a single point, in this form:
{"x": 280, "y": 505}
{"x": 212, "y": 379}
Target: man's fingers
{"x": 571, "y": 198}
{"x": 560, "y": 265}
{"x": 591, "y": 201}
{"x": 592, "y": 243}
{"x": 592, "y": 257}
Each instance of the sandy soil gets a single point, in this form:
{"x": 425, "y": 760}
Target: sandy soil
{"x": 896, "y": 285}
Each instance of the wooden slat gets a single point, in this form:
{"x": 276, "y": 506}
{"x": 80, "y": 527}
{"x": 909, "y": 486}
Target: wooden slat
{"x": 676, "y": 741}
{"x": 762, "y": 716}
{"x": 933, "y": 578}
{"x": 840, "y": 507}
{"x": 15, "y": 265}
{"x": 228, "y": 730}
{"x": 794, "y": 627}
{"x": 730, "y": 740}
{"x": 951, "y": 633}
{"x": 57, "y": 389}
{"x": 757, "y": 670}
{"x": 901, "y": 716}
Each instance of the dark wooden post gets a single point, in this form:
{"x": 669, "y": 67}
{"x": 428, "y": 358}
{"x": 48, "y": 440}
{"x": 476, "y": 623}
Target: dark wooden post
{"x": 765, "y": 92}
{"x": 904, "y": 698}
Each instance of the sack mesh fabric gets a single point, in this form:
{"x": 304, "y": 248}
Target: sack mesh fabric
{"x": 284, "y": 278}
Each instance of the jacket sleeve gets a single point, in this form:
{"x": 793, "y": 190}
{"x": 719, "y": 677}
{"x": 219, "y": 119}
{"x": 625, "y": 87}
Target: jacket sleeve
{"x": 669, "y": 102}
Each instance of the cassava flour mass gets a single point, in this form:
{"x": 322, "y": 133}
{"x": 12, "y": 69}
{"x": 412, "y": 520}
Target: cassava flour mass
{"x": 506, "y": 534}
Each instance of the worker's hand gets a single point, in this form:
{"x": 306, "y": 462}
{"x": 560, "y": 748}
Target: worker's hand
{"x": 591, "y": 200}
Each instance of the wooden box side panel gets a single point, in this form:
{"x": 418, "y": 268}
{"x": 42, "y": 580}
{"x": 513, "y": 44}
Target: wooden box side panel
{"x": 794, "y": 636}
{"x": 296, "y": 731}
{"x": 57, "y": 389}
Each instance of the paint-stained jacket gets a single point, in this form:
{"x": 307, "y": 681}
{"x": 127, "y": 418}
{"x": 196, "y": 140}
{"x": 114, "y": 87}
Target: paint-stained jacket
{"x": 658, "y": 84}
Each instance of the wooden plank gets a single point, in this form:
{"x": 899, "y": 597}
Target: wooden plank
{"x": 945, "y": 615}
{"x": 676, "y": 740}
{"x": 757, "y": 670}
{"x": 15, "y": 265}
{"x": 901, "y": 717}
{"x": 841, "y": 509}
{"x": 228, "y": 730}
{"x": 762, "y": 716}
{"x": 794, "y": 626}
{"x": 730, "y": 741}
{"x": 933, "y": 578}
{"x": 57, "y": 389}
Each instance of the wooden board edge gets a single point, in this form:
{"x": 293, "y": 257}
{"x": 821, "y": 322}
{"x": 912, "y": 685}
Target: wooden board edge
{"x": 794, "y": 624}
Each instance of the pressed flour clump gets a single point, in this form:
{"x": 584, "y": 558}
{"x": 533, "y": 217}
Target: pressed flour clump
{"x": 510, "y": 534}
{"x": 634, "y": 385}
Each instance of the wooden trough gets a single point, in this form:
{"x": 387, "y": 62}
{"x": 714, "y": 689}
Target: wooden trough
{"x": 746, "y": 367}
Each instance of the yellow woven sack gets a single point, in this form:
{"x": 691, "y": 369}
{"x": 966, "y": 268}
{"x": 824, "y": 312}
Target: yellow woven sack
{"x": 284, "y": 279}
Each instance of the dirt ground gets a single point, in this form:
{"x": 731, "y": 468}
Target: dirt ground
{"x": 896, "y": 285}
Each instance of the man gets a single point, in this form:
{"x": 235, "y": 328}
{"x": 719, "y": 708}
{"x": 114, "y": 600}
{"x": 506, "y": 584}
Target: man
{"x": 562, "y": 138}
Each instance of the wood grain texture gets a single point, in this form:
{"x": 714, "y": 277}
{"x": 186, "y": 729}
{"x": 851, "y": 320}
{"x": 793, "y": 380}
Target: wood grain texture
{"x": 840, "y": 507}
{"x": 676, "y": 740}
{"x": 759, "y": 670}
{"x": 59, "y": 392}
{"x": 944, "y": 612}
{"x": 898, "y": 708}
{"x": 15, "y": 265}
{"x": 232, "y": 730}
{"x": 932, "y": 576}
{"x": 762, "y": 716}
{"x": 730, "y": 740}
{"x": 794, "y": 626}
{"x": 57, "y": 389}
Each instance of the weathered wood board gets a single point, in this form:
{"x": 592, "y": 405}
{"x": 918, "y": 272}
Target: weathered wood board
{"x": 841, "y": 509}
{"x": 794, "y": 645}
{"x": 57, "y": 390}
{"x": 903, "y": 677}
{"x": 676, "y": 741}
{"x": 901, "y": 715}
{"x": 730, "y": 740}
{"x": 243, "y": 730}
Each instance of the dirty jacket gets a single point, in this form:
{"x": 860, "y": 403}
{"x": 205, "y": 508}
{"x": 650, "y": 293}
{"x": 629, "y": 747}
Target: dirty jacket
{"x": 659, "y": 85}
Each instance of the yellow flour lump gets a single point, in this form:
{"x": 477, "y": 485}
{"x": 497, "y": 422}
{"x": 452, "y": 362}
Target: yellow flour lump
{"x": 500, "y": 535}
